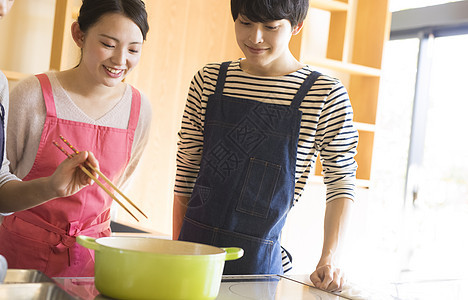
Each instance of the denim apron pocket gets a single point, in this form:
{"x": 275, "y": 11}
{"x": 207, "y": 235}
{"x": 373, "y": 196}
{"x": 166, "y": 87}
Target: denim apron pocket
{"x": 256, "y": 194}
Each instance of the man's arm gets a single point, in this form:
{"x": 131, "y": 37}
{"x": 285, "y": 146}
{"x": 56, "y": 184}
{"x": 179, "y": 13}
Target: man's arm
{"x": 327, "y": 275}
{"x": 178, "y": 213}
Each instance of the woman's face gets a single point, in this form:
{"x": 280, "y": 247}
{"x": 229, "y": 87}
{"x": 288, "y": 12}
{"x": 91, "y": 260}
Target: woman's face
{"x": 111, "y": 48}
{"x": 5, "y": 6}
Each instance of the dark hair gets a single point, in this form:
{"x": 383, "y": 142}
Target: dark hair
{"x": 269, "y": 10}
{"x": 92, "y": 10}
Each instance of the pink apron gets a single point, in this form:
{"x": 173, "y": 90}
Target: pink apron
{"x": 43, "y": 237}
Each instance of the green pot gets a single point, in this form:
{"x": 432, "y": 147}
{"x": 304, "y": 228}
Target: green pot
{"x": 151, "y": 268}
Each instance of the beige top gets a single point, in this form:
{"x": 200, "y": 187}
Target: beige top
{"x": 5, "y": 174}
{"x": 29, "y": 111}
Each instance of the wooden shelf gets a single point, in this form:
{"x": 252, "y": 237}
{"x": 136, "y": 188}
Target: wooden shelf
{"x": 346, "y": 38}
{"x": 330, "y": 5}
{"x": 16, "y": 76}
{"x": 363, "y": 183}
{"x": 364, "y": 126}
{"x": 340, "y": 66}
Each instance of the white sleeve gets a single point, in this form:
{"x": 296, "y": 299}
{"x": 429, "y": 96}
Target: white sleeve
{"x": 5, "y": 174}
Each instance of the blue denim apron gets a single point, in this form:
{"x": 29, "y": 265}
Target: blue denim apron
{"x": 245, "y": 186}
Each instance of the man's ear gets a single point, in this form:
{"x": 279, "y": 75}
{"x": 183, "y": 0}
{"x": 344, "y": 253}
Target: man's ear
{"x": 297, "y": 28}
{"x": 77, "y": 34}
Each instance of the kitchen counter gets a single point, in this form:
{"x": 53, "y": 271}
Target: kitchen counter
{"x": 241, "y": 287}
{"x": 33, "y": 285}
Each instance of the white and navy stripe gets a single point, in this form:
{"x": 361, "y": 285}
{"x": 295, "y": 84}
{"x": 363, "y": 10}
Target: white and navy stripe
{"x": 286, "y": 260}
{"x": 326, "y": 127}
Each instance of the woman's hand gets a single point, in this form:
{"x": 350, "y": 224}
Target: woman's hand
{"x": 328, "y": 277}
{"x": 68, "y": 178}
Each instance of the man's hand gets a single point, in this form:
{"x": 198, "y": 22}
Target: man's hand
{"x": 328, "y": 278}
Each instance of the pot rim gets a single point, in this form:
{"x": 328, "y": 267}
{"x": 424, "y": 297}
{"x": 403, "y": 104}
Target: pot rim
{"x": 101, "y": 241}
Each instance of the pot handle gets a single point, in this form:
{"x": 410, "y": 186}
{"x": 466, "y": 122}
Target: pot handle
{"x": 233, "y": 253}
{"x": 87, "y": 242}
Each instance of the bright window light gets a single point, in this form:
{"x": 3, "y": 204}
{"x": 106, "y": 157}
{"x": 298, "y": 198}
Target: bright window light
{"x": 396, "y": 5}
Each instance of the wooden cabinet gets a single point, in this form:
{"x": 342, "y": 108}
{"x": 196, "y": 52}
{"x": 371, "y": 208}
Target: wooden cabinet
{"x": 41, "y": 43}
{"x": 345, "y": 39}
{"x": 25, "y": 39}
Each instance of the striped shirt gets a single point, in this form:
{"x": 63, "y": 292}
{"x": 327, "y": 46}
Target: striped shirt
{"x": 326, "y": 126}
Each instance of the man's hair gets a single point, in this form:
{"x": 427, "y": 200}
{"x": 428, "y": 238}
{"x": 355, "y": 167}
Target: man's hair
{"x": 269, "y": 10}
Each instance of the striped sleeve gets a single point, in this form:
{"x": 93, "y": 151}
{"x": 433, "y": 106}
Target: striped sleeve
{"x": 336, "y": 141}
{"x": 190, "y": 144}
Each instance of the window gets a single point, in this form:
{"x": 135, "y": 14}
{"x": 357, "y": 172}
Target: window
{"x": 442, "y": 191}
{"x": 420, "y": 166}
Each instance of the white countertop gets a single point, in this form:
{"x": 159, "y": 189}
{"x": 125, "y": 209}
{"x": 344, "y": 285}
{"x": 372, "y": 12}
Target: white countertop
{"x": 241, "y": 287}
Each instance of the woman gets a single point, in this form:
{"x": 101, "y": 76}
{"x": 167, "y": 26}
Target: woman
{"x": 17, "y": 195}
{"x": 96, "y": 111}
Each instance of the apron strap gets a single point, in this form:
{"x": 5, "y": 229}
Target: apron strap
{"x": 221, "y": 77}
{"x": 48, "y": 95}
{"x": 135, "y": 109}
{"x": 50, "y": 104}
{"x": 305, "y": 87}
{"x": 2, "y": 116}
{"x": 67, "y": 235}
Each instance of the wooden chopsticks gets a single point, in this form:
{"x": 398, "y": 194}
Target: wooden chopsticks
{"x": 101, "y": 176}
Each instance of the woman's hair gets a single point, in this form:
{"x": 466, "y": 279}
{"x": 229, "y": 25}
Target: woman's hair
{"x": 269, "y": 10}
{"x": 92, "y": 10}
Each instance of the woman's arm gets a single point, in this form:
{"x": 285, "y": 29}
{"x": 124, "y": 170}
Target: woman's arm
{"x": 67, "y": 179}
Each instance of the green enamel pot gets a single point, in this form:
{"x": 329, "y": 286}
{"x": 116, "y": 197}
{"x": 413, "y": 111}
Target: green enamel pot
{"x": 152, "y": 268}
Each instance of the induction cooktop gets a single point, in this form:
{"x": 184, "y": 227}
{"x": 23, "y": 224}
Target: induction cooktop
{"x": 269, "y": 287}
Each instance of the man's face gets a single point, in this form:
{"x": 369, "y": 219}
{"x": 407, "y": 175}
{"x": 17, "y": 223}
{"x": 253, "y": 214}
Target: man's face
{"x": 265, "y": 44}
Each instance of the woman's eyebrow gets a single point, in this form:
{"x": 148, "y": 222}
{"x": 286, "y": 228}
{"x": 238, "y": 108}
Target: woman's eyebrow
{"x": 116, "y": 39}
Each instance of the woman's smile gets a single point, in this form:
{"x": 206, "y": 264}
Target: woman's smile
{"x": 115, "y": 73}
